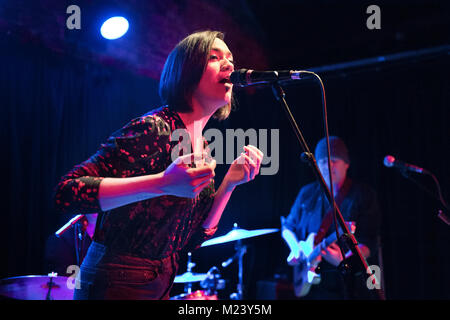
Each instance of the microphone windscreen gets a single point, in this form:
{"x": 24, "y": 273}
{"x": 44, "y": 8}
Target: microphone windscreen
{"x": 389, "y": 161}
{"x": 238, "y": 77}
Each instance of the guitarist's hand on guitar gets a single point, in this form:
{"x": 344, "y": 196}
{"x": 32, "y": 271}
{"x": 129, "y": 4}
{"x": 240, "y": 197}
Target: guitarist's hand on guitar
{"x": 332, "y": 254}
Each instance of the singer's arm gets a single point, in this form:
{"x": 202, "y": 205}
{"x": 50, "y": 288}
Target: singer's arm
{"x": 110, "y": 178}
{"x": 242, "y": 170}
{"x": 221, "y": 199}
{"x": 177, "y": 180}
{"x": 117, "y": 192}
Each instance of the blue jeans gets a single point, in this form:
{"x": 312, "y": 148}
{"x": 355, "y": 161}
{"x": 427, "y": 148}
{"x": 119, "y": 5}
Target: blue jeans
{"x": 104, "y": 275}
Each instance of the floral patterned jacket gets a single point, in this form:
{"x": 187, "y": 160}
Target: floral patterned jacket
{"x": 155, "y": 228}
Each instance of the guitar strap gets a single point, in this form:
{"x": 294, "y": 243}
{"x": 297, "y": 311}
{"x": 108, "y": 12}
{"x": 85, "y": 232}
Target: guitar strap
{"x": 328, "y": 218}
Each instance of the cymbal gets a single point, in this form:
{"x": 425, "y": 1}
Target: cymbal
{"x": 35, "y": 287}
{"x": 237, "y": 234}
{"x": 190, "y": 277}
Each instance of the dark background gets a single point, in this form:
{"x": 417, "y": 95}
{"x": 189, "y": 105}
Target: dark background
{"x": 62, "y": 92}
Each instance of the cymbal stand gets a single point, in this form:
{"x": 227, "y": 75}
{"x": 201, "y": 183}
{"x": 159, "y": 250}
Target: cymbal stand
{"x": 241, "y": 250}
{"x": 189, "y": 266}
{"x": 50, "y": 285}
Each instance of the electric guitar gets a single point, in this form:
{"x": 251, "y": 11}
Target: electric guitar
{"x": 310, "y": 257}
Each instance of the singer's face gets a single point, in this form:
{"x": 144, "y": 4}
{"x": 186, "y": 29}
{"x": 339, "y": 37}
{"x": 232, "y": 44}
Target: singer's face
{"x": 214, "y": 90}
{"x": 338, "y": 170}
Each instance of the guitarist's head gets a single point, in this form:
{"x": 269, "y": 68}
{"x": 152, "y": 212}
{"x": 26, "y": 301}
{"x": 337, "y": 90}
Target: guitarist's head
{"x": 340, "y": 160}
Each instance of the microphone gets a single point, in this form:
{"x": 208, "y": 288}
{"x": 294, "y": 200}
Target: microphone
{"x": 247, "y": 77}
{"x": 390, "y": 161}
{"x": 69, "y": 224}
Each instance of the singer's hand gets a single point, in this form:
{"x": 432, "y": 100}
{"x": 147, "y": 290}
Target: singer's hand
{"x": 244, "y": 168}
{"x": 182, "y": 181}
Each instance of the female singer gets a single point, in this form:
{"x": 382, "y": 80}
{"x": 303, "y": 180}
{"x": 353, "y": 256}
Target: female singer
{"x": 153, "y": 200}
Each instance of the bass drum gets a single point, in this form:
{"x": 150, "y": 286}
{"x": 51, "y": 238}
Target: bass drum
{"x": 196, "y": 295}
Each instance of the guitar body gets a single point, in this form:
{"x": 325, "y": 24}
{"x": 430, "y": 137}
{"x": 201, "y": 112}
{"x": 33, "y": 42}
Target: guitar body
{"x": 304, "y": 275}
{"x": 304, "y": 272}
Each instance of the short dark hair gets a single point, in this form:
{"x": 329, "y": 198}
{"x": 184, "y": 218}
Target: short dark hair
{"x": 183, "y": 70}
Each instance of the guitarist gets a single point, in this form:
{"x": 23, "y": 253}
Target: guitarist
{"x": 312, "y": 213}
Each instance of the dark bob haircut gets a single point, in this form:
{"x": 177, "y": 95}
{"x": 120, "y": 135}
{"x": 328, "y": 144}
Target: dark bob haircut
{"x": 183, "y": 70}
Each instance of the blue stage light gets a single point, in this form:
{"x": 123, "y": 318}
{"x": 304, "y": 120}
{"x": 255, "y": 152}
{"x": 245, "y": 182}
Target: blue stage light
{"x": 114, "y": 28}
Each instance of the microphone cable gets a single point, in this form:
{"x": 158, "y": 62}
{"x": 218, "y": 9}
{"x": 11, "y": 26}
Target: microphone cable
{"x": 327, "y": 135}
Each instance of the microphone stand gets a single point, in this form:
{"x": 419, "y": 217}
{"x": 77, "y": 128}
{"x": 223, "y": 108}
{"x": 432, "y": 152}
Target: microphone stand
{"x": 441, "y": 215}
{"x": 79, "y": 229}
{"x": 307, "y": 156}
{"x": 79, "y": 239}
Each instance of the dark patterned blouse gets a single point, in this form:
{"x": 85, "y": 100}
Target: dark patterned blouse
{"x": 155, "y": 228}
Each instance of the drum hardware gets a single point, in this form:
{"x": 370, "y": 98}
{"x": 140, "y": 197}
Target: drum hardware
{"x": 50, "y": 285}
{"x": 189, "y": 277}
{"x": 196, "y": 295}
{"x": 241, "y": 250}
{"x": 237, "y": 234}
{"x": 190, "y": 265}
{"x": 213, "y": 282}
{"x": 210, "y": 281}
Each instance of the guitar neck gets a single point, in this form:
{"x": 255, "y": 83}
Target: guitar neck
{"x": 330, "y": 239}
{"x": 316, "y": 252}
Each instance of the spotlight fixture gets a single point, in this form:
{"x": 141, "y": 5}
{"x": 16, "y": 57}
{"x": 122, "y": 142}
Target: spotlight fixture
{"x": 114, "y": 28}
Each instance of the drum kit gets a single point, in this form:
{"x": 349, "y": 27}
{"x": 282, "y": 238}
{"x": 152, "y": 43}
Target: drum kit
{"x": 211, "y": 281}
{"x": 54, "y": 287}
